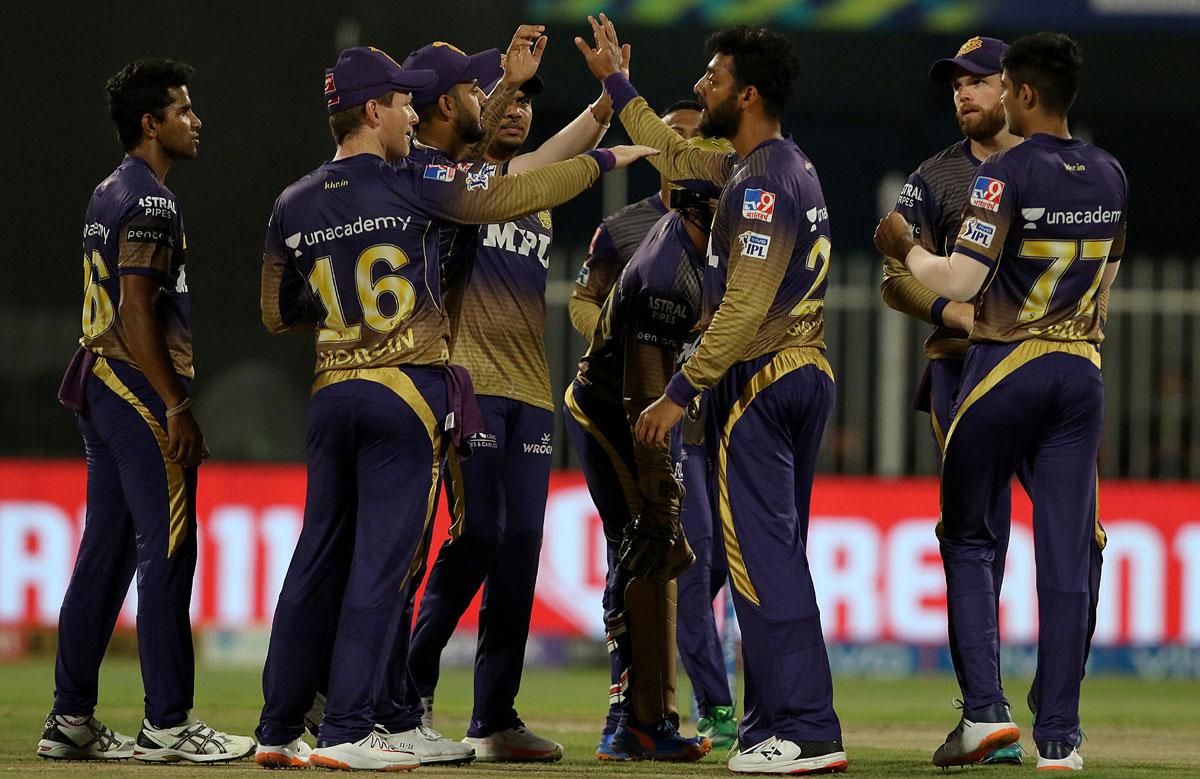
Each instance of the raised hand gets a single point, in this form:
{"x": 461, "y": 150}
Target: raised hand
{"x": 608, "y": 56}
{"x": 524, "y": 54}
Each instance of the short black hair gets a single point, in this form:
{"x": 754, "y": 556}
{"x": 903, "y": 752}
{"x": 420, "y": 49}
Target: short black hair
{"x": 682, "y": 105}
{"x": 141, "y": 88}
{"x": 1050, "y": 63}
{"x": 762, "y": 58}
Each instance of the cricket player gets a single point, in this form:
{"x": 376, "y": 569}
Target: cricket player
{"x": 346, "y": 257}
{"x": 1042, "y": 238}
{"x": 613, "y": 244}
{"x": 761, "y": 364}
{"x": 130, "y": 385}
{"x": 645, "y": 323}
{"x": 495, "y": 297}
{"x": 932, "y": 200}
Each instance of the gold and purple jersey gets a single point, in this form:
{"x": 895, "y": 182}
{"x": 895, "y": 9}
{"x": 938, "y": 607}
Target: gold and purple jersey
{"x": 612, "y": 247}
{"x": 932, "y": 201}
{"x": 133, "y": 225}
{"x": 1045, "y": 217}
{"x": 647, "y": 319}
{"x": 495, "y": 293}
{"x": 353, "y": 250}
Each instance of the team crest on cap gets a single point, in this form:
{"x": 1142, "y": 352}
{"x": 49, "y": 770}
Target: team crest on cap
{"x": 969, "y": 46}
{"x": 451, "y": 45}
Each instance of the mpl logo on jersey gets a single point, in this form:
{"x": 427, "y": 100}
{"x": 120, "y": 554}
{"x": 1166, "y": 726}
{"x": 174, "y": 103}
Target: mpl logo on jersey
{"x": 440, "y": 172}
{"x": 754, "y": 244}
{"x": 986, "y": 193}
{"x": 758, "y": 204}
{"x": 978, "y": 232}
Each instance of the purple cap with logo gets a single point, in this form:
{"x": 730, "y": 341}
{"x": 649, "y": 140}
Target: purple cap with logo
{"x": 978, "y": 56}
{"x": 452, "y": 66}
{"x": 364, "y": 73}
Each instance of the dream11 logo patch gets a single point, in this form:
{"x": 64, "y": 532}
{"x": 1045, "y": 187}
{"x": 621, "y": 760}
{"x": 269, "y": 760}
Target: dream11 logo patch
{"x": 758, "y": 204}
{"x": 986, "y": 193}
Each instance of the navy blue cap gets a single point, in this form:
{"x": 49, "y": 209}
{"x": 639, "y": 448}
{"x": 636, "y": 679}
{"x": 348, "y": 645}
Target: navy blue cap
{"x": 452, "y": 66}
{"x": 364, "y": 73}
{"x": 978, "y": 56}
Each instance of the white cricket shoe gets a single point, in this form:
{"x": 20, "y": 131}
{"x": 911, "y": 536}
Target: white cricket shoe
{"x": 370, "y": 753}
{"x": 82, "y": 738}
{"x": 192, "y": 741}
{"x": 430, "y": 747}
{"x": 1057, "y": 756}
{"x": 973, "y": 739}
{"x": 515, "y": 745}
{"x": 293, "y": 755}
{"x": 780, "y": 756}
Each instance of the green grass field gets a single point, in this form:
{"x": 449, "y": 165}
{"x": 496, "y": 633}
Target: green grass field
{"x": 1135, "y": 728}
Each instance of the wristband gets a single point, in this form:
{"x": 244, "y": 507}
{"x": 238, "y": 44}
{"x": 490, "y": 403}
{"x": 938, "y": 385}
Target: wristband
{"x": 605, "y": 158}
{"x": 183, "y": 406}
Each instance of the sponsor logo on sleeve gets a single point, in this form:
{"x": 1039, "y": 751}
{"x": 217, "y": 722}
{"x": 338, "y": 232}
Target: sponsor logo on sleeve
{"x": 478, "y": 181}
{"x": 582, "y": 278}
{"x": 758, "y": 204}
{"x": 986, "y": 193}
{"x": 910, "y": 195}
{"x": 816, "y": 215}
{"x": 754, "y": 245}
{"x": 978, "y": 232}
{"x": 95, "y": 228}
{"x": 157, "y": 207}
{"x": 440, "y": 172}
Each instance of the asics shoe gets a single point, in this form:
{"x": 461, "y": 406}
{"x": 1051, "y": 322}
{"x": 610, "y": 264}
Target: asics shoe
{"x": 370, "y": 753}
{"x": 430, "y": 747}
{"x": 517, "y": 744}
{"x": 1057, "y": 756}
{"x": 191, "y": 741}
{"x": 82, "y": 738}
{"x": 978, "y": 733}
{"x": 293, "y": 755}
{"x": 719, "y": 727}
{"x": 779, "y": 756}
{"x": 606, "y": 750}
{"x": 658, "y": 742}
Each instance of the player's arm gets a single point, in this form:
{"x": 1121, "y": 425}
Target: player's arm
{"x": 145, "y": 248}
{"x": 477, "y": 198}
{"x": 752, "y": 287}
{"x": 595, "y": 280}
{"x": 284, "y": 297}
{"x": 678, "y": 161}
{"x": 521, "y": 62}
{"x": 900, "y": 289}
{"x": 582, "y": 133}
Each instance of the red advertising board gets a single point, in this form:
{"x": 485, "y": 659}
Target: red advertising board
{"x": 871, "y": 548}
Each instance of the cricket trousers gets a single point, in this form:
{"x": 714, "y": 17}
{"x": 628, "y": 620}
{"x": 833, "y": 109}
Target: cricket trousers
{"x": 699, "y": 645}
{"x": 497, "y": 501}
{"x": 603, "y": 441}
{"x": 373, "y": 453}
{"x": 945, "y": 380}
{"x": 141, "y": 515}
{"x": 1041, "y": 403}
{"x": 765, "y": 421}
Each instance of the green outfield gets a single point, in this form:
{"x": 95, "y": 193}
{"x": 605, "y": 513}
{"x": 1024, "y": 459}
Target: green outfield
{"x": 1135, "y": 728}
